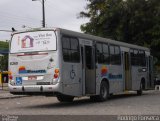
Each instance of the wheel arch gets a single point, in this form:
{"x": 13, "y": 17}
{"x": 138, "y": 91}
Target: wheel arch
{"x": 107, "y": 81}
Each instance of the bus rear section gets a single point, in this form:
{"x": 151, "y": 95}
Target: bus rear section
{"x": 33, "y": 63}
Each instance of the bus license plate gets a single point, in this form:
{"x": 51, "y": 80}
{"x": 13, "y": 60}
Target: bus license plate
{"x": 32, "y": 77}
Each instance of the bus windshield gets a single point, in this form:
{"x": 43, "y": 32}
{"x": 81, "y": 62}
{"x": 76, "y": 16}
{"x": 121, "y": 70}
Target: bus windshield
{"x": 33, "y": 41}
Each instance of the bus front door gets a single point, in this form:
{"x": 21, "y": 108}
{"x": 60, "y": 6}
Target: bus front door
{"x": 89, "y": 76}
{"x": 128, "y": 82}
{"x": 150, "y": 73}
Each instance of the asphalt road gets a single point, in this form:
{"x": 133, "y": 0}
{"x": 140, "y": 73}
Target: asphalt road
{"x": 124, "y": 104}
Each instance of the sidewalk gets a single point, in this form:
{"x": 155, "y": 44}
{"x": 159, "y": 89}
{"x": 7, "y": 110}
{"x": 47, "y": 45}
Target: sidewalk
{"x": 4, "y": 94}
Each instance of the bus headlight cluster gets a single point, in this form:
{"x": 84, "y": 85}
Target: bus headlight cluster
{"x": 10, "y": 77}
{"x": 56, "y": 76}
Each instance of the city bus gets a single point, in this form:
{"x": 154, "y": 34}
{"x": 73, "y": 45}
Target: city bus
{"x": 68, "y": 64}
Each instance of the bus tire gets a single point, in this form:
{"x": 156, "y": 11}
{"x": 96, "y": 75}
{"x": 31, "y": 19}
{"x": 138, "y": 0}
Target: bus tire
{"x": 104, "y": 93}
{"x": 65, "y": 98}
{"x": 140, "y": 91}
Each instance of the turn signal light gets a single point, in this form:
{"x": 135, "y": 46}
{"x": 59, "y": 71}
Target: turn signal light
{"x": 9, "y": 73}
{"x": 10, "y": 77}
{"x": 55, "y": 76}
{"x": 56, "y": 71}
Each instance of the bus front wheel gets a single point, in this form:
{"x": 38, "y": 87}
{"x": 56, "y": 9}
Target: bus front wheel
{"x": 65, "y": 98}
{"x": 104, "y": 93}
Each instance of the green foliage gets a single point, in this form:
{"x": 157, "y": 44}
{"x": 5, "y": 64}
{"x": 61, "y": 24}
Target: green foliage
{"x": 4, "y": 45}
{"x": 4, "y": 59}
{"x": 4, "y": 63}
{"x": 131, "y": 21}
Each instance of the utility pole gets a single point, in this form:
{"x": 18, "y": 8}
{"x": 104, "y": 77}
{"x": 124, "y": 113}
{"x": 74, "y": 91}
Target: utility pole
{"x": 43, "y": 12}
{"x": 43, "y": 9}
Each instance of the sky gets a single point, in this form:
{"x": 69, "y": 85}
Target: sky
{"x": 58, "y": 13}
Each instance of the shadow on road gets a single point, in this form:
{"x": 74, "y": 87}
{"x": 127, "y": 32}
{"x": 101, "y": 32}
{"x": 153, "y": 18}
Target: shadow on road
{"x": 82, "y": 101}
{"x": 57, "y": 104}
{"x": 120, "y": 96}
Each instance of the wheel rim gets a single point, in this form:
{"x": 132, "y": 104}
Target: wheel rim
{"x": 104, "y": 92}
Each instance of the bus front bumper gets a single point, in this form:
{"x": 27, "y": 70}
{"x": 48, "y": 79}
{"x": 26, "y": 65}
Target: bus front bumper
{"x": 35, "y": 89}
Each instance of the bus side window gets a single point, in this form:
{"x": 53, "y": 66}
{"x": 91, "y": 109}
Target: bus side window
{"x": 142, "y": 58}
{"x": 111, "y": 54}
{"x": 106, "y": 53}
{"x": 99, "y": 52}
{"x": 70, "y": 47}
{"x": 82, "y": 57}
{"x": 132, "y": 56}
{"x": 102, "y": 51}
{"x": 89, "y": 59}
{"x": 135, "y": 58}
{"x": 117, "y": 55}
{"x": 66, "y": 49}
{"x": 75, "y": 54}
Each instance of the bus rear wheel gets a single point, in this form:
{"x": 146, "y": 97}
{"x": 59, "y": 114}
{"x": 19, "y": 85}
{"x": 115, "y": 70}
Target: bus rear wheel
{"x": 65, "y": 98}
{"x": 104, "y": 93}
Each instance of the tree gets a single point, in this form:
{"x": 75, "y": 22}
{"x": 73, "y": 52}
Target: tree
{"x": 131, "y": 21}
{"x": 4, "y": 63}
{"x": 4, "y": 58}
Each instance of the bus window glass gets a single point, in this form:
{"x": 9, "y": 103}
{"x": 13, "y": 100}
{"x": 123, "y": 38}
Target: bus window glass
{"x": 117, "y": 51}
{"x": 112, "y": 54}
{"x": 111, "y": 50}
{"x": 66, "y": 49}
{"x": 75, "y": 54}
{"x": 66, "y": 43}
{"x": 106, "y": 53}
{"x": 117, "y": 57}
{"x": 99, "y": 53}
{"x": 105, "y": 48}
{"x": 70, "y": 47}
{"x": 74, "y": 44}
{"x": 142, "y": 59}
{"x": 135, "y": 53}
{"x": 136, "y": 56}
{"x": 99, "y": 48}
{"x": 132, "y": 56}
{"x": 131, "y": 52}
{"x": 66, "y": 55}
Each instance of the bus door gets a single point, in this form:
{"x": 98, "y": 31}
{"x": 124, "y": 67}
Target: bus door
{"x": 150, "y": 73}
{"x": 89, "y": 76}
{"x": 127, "y": 72}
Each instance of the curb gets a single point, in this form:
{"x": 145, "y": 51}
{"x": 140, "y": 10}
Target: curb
{"x": 5, "y": 94}
{"x": 13, "y": 97}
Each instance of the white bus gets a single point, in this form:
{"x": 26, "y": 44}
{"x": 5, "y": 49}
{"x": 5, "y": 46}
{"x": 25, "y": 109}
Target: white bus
{"x": 67, "y": 64}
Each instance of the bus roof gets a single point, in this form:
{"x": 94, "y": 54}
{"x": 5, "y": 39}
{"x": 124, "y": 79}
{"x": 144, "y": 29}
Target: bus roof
{"x": 100, "y": 39}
